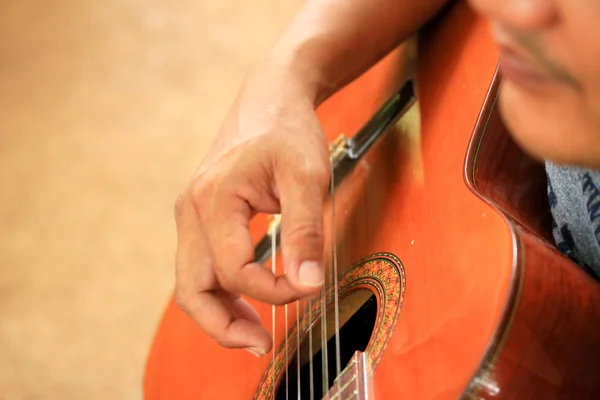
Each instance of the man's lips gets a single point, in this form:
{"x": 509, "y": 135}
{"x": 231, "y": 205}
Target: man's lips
{"x": 520, "y": 69}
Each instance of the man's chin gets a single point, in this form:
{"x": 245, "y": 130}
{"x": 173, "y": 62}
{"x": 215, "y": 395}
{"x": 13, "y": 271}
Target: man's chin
{"x": 545, "y": 131}
{"x": 540, "y": 147}
{"x": 530, "y": 137}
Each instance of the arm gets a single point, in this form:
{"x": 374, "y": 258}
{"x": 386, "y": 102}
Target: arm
{"x": 270, "y": 156}
{"x": 331, "y": 42}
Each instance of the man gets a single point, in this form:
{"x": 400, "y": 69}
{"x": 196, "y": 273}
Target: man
{"x": 271, "y": 156}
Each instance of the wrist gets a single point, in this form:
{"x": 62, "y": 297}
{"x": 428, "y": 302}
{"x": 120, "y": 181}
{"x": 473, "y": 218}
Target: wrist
{"x": 295, "y": 62}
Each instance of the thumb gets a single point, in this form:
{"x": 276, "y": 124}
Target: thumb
{"x": 302, "y": 199}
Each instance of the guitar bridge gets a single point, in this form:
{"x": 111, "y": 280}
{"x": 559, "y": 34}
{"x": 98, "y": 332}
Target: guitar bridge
{"x": 352, "y": 383}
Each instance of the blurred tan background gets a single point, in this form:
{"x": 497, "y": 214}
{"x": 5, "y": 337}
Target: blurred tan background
{"x": 106, "y": 108}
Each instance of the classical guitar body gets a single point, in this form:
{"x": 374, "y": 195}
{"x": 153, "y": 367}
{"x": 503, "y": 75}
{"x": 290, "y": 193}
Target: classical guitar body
{"x": 444, "y": 256}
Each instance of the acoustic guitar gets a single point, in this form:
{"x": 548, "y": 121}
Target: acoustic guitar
{"x": 443, "y": 280}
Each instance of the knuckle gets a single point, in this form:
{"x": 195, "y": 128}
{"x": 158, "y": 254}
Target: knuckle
{"x": 303, "y": 167}
{"x": 183, "y": 300}
{"x": 314, "y": 172}
{"x": 305, "y": 232}
{"x": 227, "y": 280}
{"x": 219, "y": 337}
{"x": 223, "y": 341}
{"x": 202, "y": 189}
{"x": 178, "y": 207}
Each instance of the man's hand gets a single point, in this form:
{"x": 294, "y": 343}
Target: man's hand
{"x": 271, "y": 157}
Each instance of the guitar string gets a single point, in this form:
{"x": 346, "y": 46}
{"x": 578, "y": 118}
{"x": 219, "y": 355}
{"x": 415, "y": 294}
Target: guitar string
{"x": 333, "y": 275}
{"x": 324, "y": 366}
{"x": 335, "y": 279}
{"x": 273, "y": 258}
{"x": 310, "y": 352}
{"x": 332, "y": 278}
{"x": 287, "y": 393}
{"x": 298, "y": 348}
{"x": 273, "y": 309}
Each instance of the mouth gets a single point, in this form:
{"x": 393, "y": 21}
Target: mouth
{"x": 516, "y": 65}
{"x": 520, "y": 70}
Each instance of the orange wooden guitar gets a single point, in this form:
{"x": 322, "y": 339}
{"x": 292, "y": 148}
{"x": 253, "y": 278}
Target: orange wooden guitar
{"x": 448, "y": 286}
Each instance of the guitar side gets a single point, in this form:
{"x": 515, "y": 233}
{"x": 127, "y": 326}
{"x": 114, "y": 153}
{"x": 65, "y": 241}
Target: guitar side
{"x": 548, "y": 345}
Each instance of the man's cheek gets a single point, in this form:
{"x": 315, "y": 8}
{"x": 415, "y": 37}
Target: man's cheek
{"x": 530, "y": 124}
{"x": 593, "y": 106}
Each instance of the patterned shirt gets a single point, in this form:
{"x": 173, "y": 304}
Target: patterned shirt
{"x": 574, "y": 196}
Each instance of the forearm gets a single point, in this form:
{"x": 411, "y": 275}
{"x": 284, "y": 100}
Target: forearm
{"x": 331, "y": 42}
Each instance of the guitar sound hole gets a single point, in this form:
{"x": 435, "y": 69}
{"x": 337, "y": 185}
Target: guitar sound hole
{"x": 354, "y": 336}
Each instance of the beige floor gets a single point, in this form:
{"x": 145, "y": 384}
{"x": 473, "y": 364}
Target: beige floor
{"x": 106, "y": 108}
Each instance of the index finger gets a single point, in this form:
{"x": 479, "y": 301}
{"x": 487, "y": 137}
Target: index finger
{"x": 227, "y": 230}
{"x": 225, "y": 317}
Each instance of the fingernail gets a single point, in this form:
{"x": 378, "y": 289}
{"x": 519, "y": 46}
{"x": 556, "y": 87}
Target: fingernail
{"x": 310, "y": 274}
{"x": 257, "y": 351}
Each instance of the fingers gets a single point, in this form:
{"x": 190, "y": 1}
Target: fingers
{"x": 233, "y": 252}
{"x": 243, "y": 309}
{"x": 227, "y": 318}
{"x": 228, "y": 323}
{"x": 302, "y": 194}
{"x": 226, "y": 206}
{"x": 216, "y": 251}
